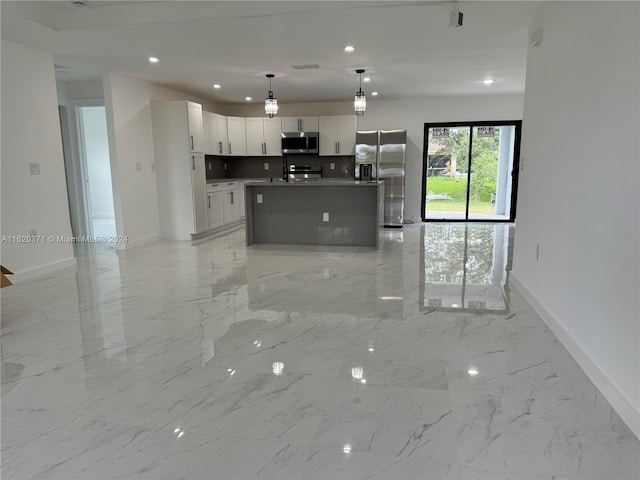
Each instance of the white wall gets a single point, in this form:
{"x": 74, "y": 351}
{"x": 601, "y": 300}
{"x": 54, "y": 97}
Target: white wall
{"x": 31, "y": 133}
{"x": 96, "y": 145}
{"x": 130, "y": 142}
{"x": 578, "y": 196}
{"x": 410, "y": 115}
{"x": 78, "y": 90}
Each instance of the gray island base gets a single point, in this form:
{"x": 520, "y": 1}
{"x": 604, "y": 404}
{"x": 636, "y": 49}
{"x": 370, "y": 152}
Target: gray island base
{"x": 343, "y": 213}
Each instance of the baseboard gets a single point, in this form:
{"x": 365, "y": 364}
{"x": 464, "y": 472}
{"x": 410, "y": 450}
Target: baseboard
{"x": 138, "y": 242}
{"x": 38, "y": 271}
{"x": 629, "y": 414}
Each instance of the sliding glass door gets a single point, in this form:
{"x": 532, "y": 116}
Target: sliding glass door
{"x": 470, "y": 171}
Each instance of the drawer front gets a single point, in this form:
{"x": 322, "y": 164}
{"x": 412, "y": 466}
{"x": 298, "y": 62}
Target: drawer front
{"x": 229, "y": 186}
{"x": 214, "y": 187}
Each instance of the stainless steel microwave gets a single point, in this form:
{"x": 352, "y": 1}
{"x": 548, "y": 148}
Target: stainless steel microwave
{"x": 299, "y": 142}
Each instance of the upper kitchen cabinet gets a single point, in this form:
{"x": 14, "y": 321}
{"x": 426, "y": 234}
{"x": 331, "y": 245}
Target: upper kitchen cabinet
{"x": 338, "y": 135}
{"x": 299, "y": 124}
{"x": 263, "y": 136}
{"x": 208, "y": 146}
{"x": 194, "y": 115}
{"x": 180, "y": 172}
{"x": 236, "y": 137}
{"x": 219, "y": 134}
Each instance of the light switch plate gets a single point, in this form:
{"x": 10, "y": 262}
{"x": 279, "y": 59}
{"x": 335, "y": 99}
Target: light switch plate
{"x": 325, "y": 217}
{"x": 259, "y": 198}
{"x": 266, "y": 166}
{"x": 34, "y": 168}
{"x": 332, "y": 166}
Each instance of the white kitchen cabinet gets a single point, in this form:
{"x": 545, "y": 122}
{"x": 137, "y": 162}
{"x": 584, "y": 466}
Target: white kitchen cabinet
{"x": 236, "y": 137}
{"x": 230, "y": 207}
{"x": 208, "y": 146}
{"x": 198, "y": 185}
{"x": 180, "y": 172}
{"x": 194, "y": 115}
{"x": 263, "y": 136}
{"x": 219, "y": 134}
{"x": 338, "y": 135}
{"x": 299, "y": 124}
{"x": 215, "y": 216}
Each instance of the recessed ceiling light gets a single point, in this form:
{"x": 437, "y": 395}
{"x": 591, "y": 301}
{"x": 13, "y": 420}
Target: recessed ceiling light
{"x": 248, "y": 99}
{"x": 153, "y": 59}
{"x": 349, "y": 48}
{"x": 473, "y": 371}
{"x": 488, "y": 81}
{"x": 366, "y": 79}
{"x": 216, "y": 86}
{"x": 374, "y": 94}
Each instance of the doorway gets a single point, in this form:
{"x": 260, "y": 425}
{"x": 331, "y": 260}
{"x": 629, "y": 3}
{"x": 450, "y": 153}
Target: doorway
{"x": 470, "y": 171}
{"x": 94, "y": 154}
{"x": 87, "y": 163}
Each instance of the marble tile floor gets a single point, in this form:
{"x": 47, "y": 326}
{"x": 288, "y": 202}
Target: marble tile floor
{"x": 217, "y": 361}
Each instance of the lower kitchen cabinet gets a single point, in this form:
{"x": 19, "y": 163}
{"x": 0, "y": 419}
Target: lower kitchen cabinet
{"x": 230, "y": 204}
{"x": 215, "y": 216}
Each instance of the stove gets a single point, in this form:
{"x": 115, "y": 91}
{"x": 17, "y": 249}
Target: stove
{"x": 304, "y": 173}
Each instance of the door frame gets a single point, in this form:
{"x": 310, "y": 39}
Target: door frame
{"x": 514, "y": 172}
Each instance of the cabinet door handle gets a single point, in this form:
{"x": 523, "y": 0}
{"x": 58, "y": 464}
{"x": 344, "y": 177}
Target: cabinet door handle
{"x": 231, "y": 193}
{"x": 193, "y": 162}
{"x": 338, "y": 148}
{"x": 192, "y": 144}
{"x": 220, "y": 147}
{"x": 208, "y": 201}
{"x": 229, "y": 148}
{"x": 335, "y": 147}
{"x": 299, "y": 124}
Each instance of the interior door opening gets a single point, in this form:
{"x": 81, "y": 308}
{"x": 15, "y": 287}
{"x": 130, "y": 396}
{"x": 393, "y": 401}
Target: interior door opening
{"x": 470, "y": 171}
{"x": 88, "y": 170}
{"x": 94, "y": 150}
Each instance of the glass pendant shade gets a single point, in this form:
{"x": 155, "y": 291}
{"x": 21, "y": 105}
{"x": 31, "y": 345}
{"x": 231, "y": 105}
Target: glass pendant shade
{"x": 360, "y": 103}
{"x": 271, "y": 105}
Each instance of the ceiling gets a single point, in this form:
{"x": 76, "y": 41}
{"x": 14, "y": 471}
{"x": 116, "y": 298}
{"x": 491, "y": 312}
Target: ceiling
{"x": 406, "y": 47}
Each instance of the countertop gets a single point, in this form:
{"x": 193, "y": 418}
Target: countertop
{"x": 279, "y": 181}
{"x": 223, "y": 180}
{"x": 321, "y": 183}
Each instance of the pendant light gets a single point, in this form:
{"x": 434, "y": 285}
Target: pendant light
{"x": 360, "y": 101}
{"x": 270, "y": 103}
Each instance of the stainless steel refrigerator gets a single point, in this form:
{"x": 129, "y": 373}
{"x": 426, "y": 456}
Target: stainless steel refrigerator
{"x": 385, "y": 151}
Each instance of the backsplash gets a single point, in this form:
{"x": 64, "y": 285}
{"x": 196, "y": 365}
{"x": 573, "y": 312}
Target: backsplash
{"x": 214, "y": 166}
{"x": 253, "y": 167}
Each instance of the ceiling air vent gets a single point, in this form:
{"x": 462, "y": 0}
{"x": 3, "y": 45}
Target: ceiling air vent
{"x": 305, "y": 67}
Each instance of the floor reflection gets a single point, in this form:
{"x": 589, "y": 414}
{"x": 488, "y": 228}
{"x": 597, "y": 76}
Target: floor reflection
{"x": 465, "y": 267}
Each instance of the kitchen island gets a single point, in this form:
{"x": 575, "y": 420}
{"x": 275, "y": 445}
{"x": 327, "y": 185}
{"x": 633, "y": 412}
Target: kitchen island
{"x": 327, "y": 212}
